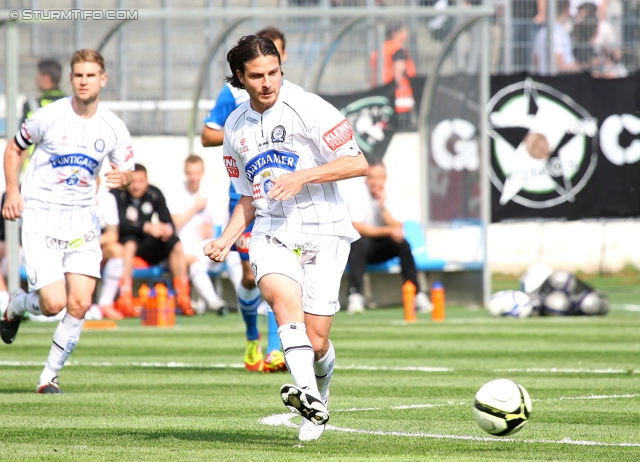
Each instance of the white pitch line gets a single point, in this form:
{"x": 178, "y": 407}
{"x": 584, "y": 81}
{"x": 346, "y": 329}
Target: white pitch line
{"x": 181, "y": 365}
{"x": 626, "y": 307}
{"x": 562, "y": 398}
{"x": 354, "y": 367}
{"x": 569, "y": 370}
{"x": 285, "y": 420}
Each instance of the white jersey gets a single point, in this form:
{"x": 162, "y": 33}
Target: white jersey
{"x": 59, "y": 185}
{"x": 299, "y": 131}
{"x": 180, "y": 200}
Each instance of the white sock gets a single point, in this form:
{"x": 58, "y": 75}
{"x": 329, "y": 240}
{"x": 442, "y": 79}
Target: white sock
{"x": 65, "y": 339}
{"x": 113, "y": 270}
{"x": 25, "y": 302}
{"x": 4, "y": 300}
{"x": 298, "y": 355}
{"x": 202, "y": 282}
{"x": 323, "y": 369}
{"x": 234, "y": 267}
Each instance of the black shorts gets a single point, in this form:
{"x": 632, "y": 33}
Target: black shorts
{"x": 150, "y": 249}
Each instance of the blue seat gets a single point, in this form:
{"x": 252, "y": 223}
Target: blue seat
{"x": 414, "y": 234}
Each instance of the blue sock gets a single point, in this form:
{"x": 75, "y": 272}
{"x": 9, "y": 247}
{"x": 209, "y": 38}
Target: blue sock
{"x": 249, "y": 299}
{"x": 274, "y": 341}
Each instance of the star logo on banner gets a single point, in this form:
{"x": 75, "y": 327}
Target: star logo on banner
{"x": 543, "y": 143}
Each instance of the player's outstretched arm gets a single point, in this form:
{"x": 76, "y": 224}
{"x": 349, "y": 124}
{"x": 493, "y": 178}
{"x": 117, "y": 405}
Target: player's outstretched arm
{"x": 211, "y": 137}
{"x": 288, "y": 185}
{"x": 13, "y": 205}
{"x": 243, "y": 215}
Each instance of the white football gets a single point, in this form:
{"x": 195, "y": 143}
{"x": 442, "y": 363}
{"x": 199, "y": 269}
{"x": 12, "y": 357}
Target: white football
{"x": 502, "y": 407}
{"x": 510, "y": 303}
{"x": 563, "y": 280}
{"x": 556, "y": 303}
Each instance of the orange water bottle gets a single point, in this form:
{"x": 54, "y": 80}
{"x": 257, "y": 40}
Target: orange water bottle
{"x": 409, "y": 301}
{"x": 437, "y": 299}
{"x": 143, "y": 294}
{"x": 162, "y": 296}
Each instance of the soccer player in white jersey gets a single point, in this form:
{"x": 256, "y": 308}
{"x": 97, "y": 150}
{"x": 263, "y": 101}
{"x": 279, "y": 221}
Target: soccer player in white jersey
{"x": 249, "y": 298}
{"x": 285, "y": 149}
{"x": 60, "y": 233}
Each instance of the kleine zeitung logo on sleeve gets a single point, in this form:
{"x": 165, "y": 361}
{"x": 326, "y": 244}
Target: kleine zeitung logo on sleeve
{"x": 338, "y": 135}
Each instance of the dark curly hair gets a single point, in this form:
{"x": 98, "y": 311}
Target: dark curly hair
{"x": 247, "y": 49}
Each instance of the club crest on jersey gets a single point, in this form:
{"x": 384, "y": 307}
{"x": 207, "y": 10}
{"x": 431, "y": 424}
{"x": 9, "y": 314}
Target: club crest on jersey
{"x": 271, "y": 159}
{"x": 99, "y": 145}
{"x": 338, "y": 135}
{"x": 75, "y": 160}
{"x": 278, "y": 134}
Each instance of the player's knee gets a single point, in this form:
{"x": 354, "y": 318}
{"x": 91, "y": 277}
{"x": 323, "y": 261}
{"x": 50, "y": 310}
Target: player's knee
{"x": 50, "y": 306}
{"x": 320, "y": 345}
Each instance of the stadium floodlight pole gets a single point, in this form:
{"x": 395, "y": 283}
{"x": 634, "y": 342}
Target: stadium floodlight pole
{"x": 204, "y": 69}
{"x": 11, "y": 124}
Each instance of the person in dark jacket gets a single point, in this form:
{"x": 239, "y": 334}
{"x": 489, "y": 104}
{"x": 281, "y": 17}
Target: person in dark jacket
{"x": 146, "y": 231}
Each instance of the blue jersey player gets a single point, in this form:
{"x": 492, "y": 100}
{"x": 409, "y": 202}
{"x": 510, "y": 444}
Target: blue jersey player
{"x": 249, "y": 297}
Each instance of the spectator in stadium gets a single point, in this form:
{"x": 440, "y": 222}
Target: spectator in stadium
{"x": 585, "y": 27}
{"x": 563, "y": 49}
{"x": 396, "y": 59}
{"x": 59, "y": 230}
{"x": 228, "y": 100}
{"x": 528, "y": 15}
{"x": 152, "y": 240}
{"x": 286, "y": 167}
{"x": 191, "y": 210}
{"x": 397, "y": 66}
{"x": 48, "y": 76}
{"x": 382, "y": 238}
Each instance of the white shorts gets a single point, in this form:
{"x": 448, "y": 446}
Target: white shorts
{"x": 315, "y": 262}
{"x": 48, "y": 259}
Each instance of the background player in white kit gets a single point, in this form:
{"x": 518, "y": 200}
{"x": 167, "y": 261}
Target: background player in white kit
{"x": 285, "y": 151}
{"x": 191, "y": 206}
{"x": 60, "y": 233}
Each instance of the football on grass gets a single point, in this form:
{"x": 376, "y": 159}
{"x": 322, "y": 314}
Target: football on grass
{"x": 512, "y": 303}
{"x": 502, "y": 407}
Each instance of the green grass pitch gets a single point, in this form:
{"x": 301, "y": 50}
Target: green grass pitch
{"x": 399, "y": 392}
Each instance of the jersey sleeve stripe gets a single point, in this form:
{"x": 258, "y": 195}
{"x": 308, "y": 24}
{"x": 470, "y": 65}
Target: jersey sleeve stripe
{"x": 21, "y": 141}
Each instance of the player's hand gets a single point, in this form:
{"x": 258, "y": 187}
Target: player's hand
{"x": 217, "y": 249}
{"x": 397, "y": 234}
{"x": 200, "y": 203}
{"x": 114, "y": 177}
{"x": 152, "y": 229}
{"x": 285, "y": 187}
{"x": 13, "y": 205}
